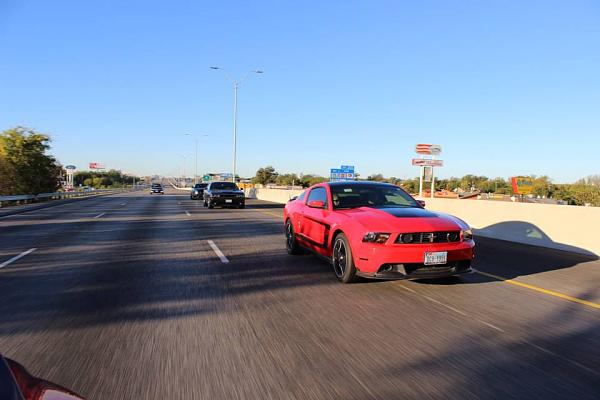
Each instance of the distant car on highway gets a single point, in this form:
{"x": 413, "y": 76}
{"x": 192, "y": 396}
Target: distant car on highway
{"x": 197, "y": 192}
{"x": 377, "y": 230}
{"x": 156, "y": 188}
{"x": 223, "y": 194}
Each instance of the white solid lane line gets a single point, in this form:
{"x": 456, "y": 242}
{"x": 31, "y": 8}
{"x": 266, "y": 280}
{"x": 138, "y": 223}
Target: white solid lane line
{"x": 99, "y": 215}
{"x": 124, "y": 204}
{"x": 188, "y": 214}
{"x": 15, "y": 258}
{"x": 218, "y": 251}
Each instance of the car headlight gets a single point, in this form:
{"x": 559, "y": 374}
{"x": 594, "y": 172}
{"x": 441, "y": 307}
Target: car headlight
{"x": 240, "y": 195}
{"x": 376, "y": 237}
{"x": 216, "y": 195}
{"x": 466, "y": 234}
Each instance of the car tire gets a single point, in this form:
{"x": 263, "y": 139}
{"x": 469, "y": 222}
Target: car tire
{"x": 342, "y": 260}
{"x": 291, "y": 244}
{"x": 210, "y": 204}
{"x": 242, "y": 206}
{"x": 205, "y": 204}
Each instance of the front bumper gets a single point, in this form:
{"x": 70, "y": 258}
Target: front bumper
{"x": 196, "y": 196}
{"x": 397, "y": 261}
{"x": 223, "y": 201}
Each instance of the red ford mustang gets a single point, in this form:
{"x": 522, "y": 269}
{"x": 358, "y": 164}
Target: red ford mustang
{"x": 377, "y": 230}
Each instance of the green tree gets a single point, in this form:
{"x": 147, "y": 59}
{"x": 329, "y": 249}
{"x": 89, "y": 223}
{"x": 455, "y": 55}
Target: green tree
{"x": 376, "y": 178}
{"x": 7, "y": 173}
{"x": 24, "y": 156}
{"x": 106, "y": 181}
{"x": 265, "y": 175}
{"x": 287, "y": 179}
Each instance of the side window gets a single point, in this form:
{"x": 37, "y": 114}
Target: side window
{"x": 318, "y": 193}
{"x": 301, "y": 197}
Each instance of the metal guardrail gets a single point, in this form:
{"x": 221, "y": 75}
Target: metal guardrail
{"x": 56, "y": 195}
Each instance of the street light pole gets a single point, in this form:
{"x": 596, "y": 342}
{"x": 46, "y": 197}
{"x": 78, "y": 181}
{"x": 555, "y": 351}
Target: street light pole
{"x": 196, "y": 166}
{"x": 235, "y": 94}
{"x": 236, "y": 85}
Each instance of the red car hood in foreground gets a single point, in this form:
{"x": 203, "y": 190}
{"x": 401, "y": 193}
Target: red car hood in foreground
{"x": 403, "y": 219}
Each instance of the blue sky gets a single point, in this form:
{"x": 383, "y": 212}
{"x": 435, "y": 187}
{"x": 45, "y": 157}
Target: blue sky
{"x": 506, "y": 87}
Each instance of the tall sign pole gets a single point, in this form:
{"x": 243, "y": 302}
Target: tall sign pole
{"x": 431, "y": 150}
{"x": 421, "y": 172}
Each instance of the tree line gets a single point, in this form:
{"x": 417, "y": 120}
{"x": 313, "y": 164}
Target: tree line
{"x": 103, "y": 179}
{"x": 268, "y": 175}
{"x": 25, "y": 166}
{"x": 584, "y": 191}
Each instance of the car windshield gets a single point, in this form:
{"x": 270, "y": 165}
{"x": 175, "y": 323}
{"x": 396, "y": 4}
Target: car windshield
{"x": 200, "y": 185}
{"x": 223, "y": 186}
{"x": 365, "y": 195}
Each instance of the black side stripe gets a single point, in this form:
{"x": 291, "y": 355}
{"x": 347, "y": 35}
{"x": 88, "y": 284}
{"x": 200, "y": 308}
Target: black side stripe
{"x": 326, "y": 236}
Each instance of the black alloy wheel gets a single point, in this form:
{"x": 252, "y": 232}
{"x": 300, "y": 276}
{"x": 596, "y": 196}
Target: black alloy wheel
{"x": 291, "y": 245}
{"x": 342, "y": 261}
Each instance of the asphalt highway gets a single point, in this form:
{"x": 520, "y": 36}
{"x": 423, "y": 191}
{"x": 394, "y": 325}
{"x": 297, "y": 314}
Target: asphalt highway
{"x": 138, "y": 296}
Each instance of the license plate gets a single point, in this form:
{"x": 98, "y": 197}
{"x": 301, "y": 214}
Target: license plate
{"x": 436, "y": 257}
{"x": 228, "y": 200}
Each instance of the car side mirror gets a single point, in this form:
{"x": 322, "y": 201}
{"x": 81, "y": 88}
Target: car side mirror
{"x": 421, "y": 203}
{"x": 316, "y": 204}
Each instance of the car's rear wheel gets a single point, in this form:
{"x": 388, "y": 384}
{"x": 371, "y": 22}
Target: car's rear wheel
{"x": 342, "y": 261}
{"x": 291, "y": 244}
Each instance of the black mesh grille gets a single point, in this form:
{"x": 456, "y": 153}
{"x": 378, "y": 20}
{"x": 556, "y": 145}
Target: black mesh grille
{"x": 428, "y": 237}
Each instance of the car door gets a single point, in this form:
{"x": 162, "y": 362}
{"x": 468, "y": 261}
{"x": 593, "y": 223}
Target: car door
{"x": 315, "y": 228}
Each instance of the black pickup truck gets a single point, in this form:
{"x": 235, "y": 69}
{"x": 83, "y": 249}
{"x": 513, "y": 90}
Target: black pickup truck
{"x": 224, "y": 194}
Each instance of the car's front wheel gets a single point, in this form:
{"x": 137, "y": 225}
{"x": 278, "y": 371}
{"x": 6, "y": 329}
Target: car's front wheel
{"x": 210, "y": 204}
{"x": 342, "y": 261}
{"x": 291, "y": 245}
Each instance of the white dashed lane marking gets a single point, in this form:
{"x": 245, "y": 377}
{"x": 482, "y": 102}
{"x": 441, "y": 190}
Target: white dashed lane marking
{"x": 218, "y": 251}
{"x": 15, "y": 258}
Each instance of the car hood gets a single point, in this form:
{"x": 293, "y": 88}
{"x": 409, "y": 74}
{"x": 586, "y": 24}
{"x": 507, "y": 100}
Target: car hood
{"x": 403, "y": 219}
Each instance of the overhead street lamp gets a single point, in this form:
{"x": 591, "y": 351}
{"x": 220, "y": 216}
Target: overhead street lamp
{"x": 236, "y": 85}
{"x": 184, "y": 156}
{"x": 196, "y": 168}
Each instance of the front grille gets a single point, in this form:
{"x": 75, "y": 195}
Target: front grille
{"x": 415, "y": 269}
{"x": 428, "y": 237}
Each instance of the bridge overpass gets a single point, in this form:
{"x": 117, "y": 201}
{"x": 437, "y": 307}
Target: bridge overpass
{"x": 135, "y": 296}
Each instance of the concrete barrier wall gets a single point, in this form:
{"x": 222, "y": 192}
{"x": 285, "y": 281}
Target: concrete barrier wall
{"x": 275, "y": 195}
{"x": 569, "y": 228}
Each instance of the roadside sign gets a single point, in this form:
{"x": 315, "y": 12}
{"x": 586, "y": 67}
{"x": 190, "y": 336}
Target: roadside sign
{"x": 522, "y": 185}
{"x": 96, "y": 165}
{"x": 70, "y": 167}
{"x": 429, "y": 149}
{"x": 206, "y": 178}
{"x": 345, "y": 173}
{"x": 422, "y": 162}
